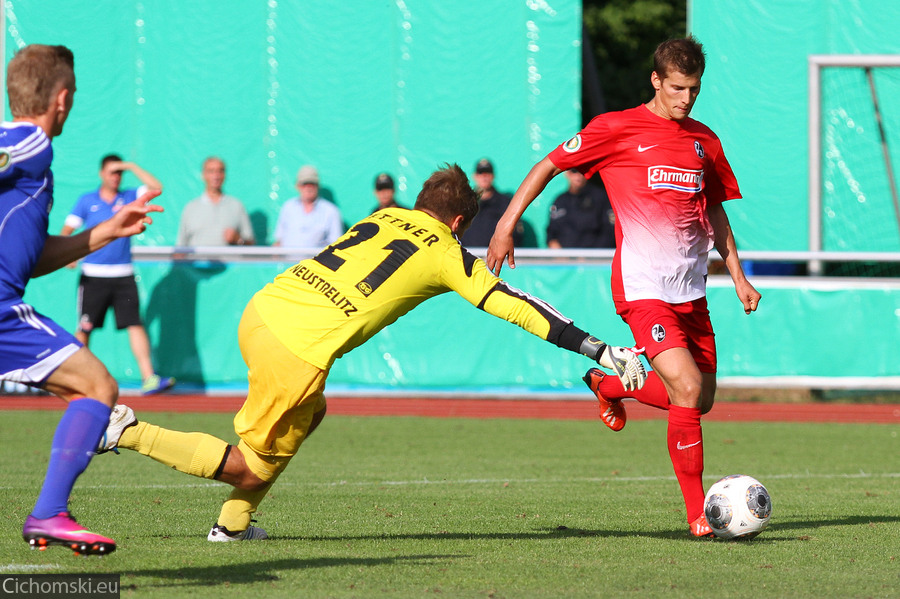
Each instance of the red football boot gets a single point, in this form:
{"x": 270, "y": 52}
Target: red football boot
{"x": 612, "y": 412}
{"x": 700, "y": 527}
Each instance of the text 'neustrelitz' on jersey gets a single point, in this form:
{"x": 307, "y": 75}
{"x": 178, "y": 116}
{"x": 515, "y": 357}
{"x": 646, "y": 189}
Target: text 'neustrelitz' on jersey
{"x": 325, "y": 288}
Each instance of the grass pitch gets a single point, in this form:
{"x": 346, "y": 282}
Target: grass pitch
{"x": 414, "y": 507}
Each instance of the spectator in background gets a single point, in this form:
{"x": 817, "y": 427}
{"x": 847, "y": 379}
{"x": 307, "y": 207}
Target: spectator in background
{"x": 308, "y": 221}
{"x": 214, "y": 218}
{"x": 107, "y": 275}
{"x": 384, "y": 193}
{"x": 581, "y": 217}
{"x": 490, "y": 208}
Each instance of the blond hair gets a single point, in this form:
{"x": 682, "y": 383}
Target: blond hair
{"x": 34, "y": 75}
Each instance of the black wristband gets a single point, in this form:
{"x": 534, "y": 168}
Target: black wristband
{"x": 592, "y": 348}
{"x": 574, "y": 339}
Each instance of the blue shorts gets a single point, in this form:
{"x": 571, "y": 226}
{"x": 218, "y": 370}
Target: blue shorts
{"x": 31, "y": 345}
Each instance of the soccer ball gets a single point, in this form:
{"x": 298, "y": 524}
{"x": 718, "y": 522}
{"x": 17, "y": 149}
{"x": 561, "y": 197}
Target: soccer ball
{"x": 737, "y": 507}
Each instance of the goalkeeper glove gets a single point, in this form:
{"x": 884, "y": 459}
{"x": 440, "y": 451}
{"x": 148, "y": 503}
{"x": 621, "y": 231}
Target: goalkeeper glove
{"x": 626, "y": 364}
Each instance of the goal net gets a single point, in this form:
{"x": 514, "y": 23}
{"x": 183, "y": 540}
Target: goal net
{"x": 855, "y": 158}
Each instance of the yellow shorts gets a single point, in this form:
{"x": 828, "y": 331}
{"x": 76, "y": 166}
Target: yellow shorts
{"x": 285, "y": 391}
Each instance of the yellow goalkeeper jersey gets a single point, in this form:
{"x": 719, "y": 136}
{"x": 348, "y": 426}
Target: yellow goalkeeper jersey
{"x": 383, "y": 267}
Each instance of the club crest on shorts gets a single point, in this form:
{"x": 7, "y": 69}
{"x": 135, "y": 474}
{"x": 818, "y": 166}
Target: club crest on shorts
{"x": 573, "y": 145}
{"x": 658, "y": 332}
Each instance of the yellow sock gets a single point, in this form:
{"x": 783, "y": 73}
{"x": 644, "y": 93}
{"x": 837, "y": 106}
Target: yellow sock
{"x": 240, "y": 507}
{"x": 198, "y": 454}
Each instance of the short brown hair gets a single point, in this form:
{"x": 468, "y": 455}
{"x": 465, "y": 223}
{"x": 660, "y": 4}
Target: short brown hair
{"x": 34, "y": 74}
{"x": 447, "y": 193}
{"x": 683, "y": 55}
{"x": 109, "y": 158}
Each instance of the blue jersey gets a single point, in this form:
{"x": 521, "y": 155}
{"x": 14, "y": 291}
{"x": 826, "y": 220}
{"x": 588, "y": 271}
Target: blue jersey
{"x": 31, "y": 345}
{"x": 89, "y": 211}
{"x": 26, "y": 196}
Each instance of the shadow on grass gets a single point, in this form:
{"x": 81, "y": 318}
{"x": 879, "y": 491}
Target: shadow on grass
{"x": 562, "y": 532}
{"x": 267, "y": 570}
{"x": 846, "y": 521}
{"x": 261, "y": 571}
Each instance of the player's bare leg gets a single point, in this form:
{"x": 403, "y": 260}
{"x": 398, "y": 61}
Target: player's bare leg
{"x": 140, "y": 347}
{"x": 84, "y": 337}
{"x": 151, "y": 382}
{"x": 235, "y": 517}
{"x": 83, "y": 375}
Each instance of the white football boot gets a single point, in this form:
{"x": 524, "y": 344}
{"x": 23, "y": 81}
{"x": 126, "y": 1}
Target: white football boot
{"x": 222, "y": 534}
{"x": 121, "y": 418}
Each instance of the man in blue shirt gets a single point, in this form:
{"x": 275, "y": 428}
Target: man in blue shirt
{"x": 308, "y": 221}
{"x": 107, "y": 275}
{"x": 34, "y": 350}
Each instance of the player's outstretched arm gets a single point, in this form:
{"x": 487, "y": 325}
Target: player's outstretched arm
{"x": 477, "y": 285}
{"x": 131, "y": 219}
{"x": 540, "y": 318}
{"x": 501, "y": 246}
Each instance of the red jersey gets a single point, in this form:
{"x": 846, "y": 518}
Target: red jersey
{"x": 660, "y": 175}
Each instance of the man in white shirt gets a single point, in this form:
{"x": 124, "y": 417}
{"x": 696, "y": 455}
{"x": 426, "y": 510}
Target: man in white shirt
{"x": 214, "y": 218}
{"x": 308, "y": 221}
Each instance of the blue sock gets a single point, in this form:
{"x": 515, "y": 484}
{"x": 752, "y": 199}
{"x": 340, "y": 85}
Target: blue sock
{"x": 74, "y": 444}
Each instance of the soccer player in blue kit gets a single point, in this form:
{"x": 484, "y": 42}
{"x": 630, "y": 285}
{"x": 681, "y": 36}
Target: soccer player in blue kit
{"x": 35, "y": 350}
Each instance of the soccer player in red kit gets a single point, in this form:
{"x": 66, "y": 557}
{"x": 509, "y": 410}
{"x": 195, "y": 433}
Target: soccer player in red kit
{"x": 667, "y": 178}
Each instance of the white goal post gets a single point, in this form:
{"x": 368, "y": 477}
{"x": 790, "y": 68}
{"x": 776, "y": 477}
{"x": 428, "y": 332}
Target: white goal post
{"x": 816, "y": 63}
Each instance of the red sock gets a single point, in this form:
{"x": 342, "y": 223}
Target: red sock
{"x": 685, "y": 440}
{"x": 653, "y": 393}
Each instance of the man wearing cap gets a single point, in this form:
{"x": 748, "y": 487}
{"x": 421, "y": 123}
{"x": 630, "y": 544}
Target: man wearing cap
{"x": 491, "y": 207}
{"x": 307, "y": 220}
{"x": 384, "y": 193}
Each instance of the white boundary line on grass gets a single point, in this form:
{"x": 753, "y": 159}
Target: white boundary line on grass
{"x": 605, "y": 479}
{"x": 21, "y": 568}
{"x": 494, "y": 481}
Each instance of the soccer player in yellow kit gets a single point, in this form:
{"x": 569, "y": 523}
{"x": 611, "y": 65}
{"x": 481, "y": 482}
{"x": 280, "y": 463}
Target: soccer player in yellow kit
{"x": 321, "y": 308}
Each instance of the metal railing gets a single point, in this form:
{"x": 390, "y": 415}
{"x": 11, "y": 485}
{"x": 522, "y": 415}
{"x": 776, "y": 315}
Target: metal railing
{"x": 523, "y": 255}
